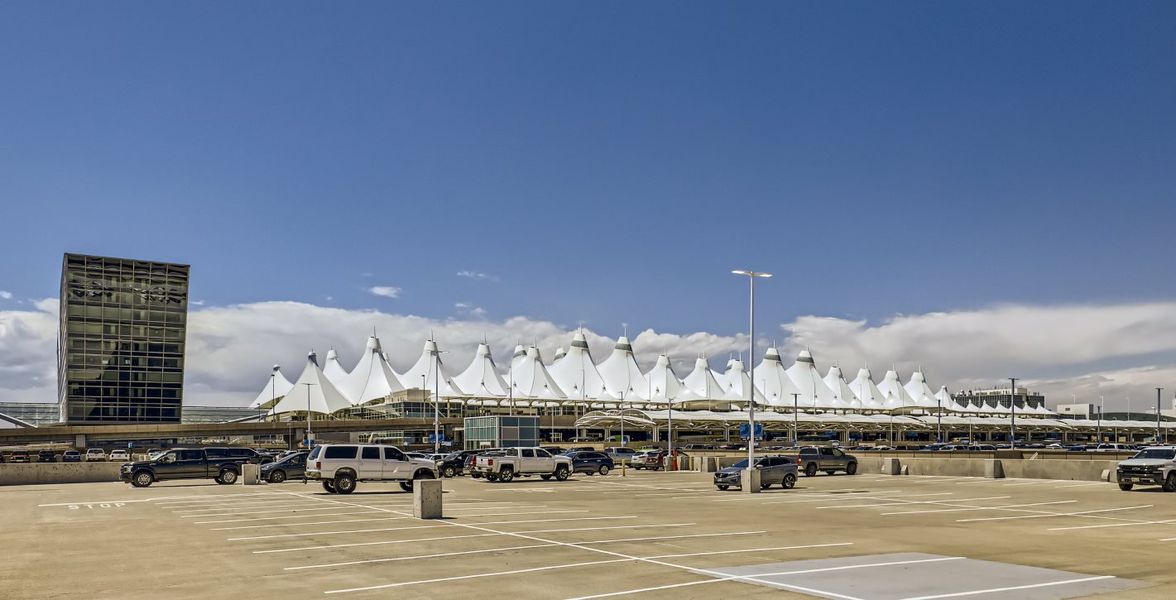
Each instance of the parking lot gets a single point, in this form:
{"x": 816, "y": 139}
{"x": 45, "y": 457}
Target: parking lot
{"x": 654, "y": 535}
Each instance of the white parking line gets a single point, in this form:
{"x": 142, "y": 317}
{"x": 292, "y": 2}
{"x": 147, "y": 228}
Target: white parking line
{"x": 313, "y": 533}
{"x": 1001, "y": 507}
{"x": 895, "y": 502}
{"x": 479, "y": 575}
{"x": 1047, "y": 515}
{"x": 810, "y": 500}
{"x": 759, "y": 578}
{"x": 417, "y": 557}
{"x": 295, "y": 516}
{"x": 746, "y": 550}
{"x": 256, "y": 512}
{"x": 1012, "y": 588}
{"x": 1105, "y": 525}
{"x": 255, "y": 508}
{"x": 156, "y": 499}
{"x": 379, "y": 543}
{"x": 302, "y": 524}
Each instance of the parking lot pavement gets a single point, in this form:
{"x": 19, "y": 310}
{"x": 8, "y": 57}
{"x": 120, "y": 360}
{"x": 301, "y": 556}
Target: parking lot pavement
{"x": 654, "y": 535}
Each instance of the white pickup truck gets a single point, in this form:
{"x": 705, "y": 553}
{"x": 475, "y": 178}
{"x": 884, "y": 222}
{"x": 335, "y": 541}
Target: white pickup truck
{"x": 504, "y": 464}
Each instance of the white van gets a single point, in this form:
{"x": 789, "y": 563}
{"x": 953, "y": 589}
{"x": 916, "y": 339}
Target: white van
{"x": 341, "y": 466}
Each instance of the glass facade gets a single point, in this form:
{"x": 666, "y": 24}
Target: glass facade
{"x": 501, "y": 432}
{"x": 120, "y": 351}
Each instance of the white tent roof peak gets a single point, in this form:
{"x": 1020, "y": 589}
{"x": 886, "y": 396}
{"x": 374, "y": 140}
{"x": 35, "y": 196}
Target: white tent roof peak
{"x": 895, "y": 394}
{"x": 559, "y": 353}
{"x": 333, "y": 369}
{"x": 531, "y": 379}
{"x": 920, "y": 392}
{"x": 775, "y": 384}
{"x": 313, "y": 391}
{"x": 836, "y": 383}
{"x": 576, "y": 373}
{"x": 664, "y": 385}
{"x": 809, "y": 383}
{"x": 621, "y": 375}
{"x": 867, "y": 391}
{"x": 423, "y": 373}
{"x": 481, "y": 378}
{"x": 276, "y": 387}
{"x": 372, "y": 378}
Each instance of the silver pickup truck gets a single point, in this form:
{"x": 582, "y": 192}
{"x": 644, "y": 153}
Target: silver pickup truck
{"x": 506, "y": 463}
{"x": 1151, "y": 466}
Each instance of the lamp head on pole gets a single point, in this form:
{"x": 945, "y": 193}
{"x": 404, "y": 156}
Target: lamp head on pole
{"x": 749, "y": 273}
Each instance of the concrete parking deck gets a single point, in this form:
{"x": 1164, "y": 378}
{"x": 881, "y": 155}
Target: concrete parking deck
{"x": 653, "y": 535}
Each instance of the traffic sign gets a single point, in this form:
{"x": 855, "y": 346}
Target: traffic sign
{"x": 759, "y": 431}
{"x": 438, "y": 438}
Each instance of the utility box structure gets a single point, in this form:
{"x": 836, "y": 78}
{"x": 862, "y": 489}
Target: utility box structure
{"x": 501, "y": 432}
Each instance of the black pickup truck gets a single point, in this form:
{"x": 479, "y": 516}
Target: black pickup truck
{"x": 186, "y": 463}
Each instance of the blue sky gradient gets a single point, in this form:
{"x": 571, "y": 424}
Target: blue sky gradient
{"x": 603, "y": 162}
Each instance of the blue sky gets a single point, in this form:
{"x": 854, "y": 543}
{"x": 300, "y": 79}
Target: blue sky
{"x": 603, "y": 162}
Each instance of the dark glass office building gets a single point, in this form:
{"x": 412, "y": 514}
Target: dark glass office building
{"x": 120, "y": 350}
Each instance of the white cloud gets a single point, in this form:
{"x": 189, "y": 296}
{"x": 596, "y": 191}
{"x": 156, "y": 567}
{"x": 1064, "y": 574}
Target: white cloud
{"x": 465, "y": 308}
{"x": 1114, "y": 350}
{"x": 197, "y": 303}
{"x": 477, "y": 275}
{"x": 6, "y": 295}
{"x": 385, "y": 291}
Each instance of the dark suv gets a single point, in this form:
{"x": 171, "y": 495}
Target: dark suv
{"x": 185, "y": 463}
{"x": 454, "y": 463}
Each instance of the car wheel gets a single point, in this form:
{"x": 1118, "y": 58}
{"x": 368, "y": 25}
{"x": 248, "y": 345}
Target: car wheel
{"x": 765, "y": 485}
{"x": 603, "y": 470}
{"x": 227, "y": 477}
{"x": 506, "y": 475}
{"x": 1126, "y": 487}
{"x": 810, "y": 470}
{"x": 722, "y": 486}
{"x": 329, "y": 486}
{"x": 277, "y": 476}
{"x": 491, "y": 477}
{"x": 545, "y": 477}
{"x": 789, "y": 481}
{"x": 406, "y": 486}
{"x": 449, "y": 472}
{"x": 561, "y": 473}
{"x": 1170, "y": 482}
{"x": 142, "y": 479}
{"x": 344, "y": 484}
{"x": 830, "y": 472}
{"x": 851, "y": 469}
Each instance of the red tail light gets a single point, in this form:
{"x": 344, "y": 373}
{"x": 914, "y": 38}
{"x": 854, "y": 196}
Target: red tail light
{"x": 318, "y": 465}
{"x": 489, "y": 462}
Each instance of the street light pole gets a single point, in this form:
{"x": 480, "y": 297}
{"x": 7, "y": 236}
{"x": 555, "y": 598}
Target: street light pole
{"x": 1158, "y": 390}
{"x": 751, "y": 277}
{"x": 795, "y": 419}
{"x": 1012, "y": 413}
{"x": 1102, "y": 402}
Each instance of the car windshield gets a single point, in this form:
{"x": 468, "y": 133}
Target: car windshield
{"x": 741, "y": 464}
{"x": 156, "y": 455}
{"x": 1161, "y": 453}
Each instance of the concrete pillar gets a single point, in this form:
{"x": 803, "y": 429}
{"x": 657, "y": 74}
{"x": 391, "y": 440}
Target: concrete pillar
{"x": 749, "y": 481}
{"x": 891, "y": 466}
{"x": 426, "y": 498}
{"x": 80, "y": 441}
{"x": 250, "y": 474}
{"x": 993, "y": 469}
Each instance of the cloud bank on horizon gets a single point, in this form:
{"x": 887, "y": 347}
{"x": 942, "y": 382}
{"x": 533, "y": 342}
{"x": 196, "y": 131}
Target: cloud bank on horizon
{"x": 1119, "y": 351}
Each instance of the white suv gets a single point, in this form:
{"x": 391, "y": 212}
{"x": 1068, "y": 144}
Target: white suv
{"x": 341, "y": 466}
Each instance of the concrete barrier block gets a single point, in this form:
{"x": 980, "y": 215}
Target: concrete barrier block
{"x": 993, "y": 469}
{"x": 250, "y": 474}
{"x": 426, "y": 498}
{"x": 891, "y": 466}
{"x": 1105, "y": 475}
{"x": 904, "y": 470}
{"x": 749, "y": 480}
